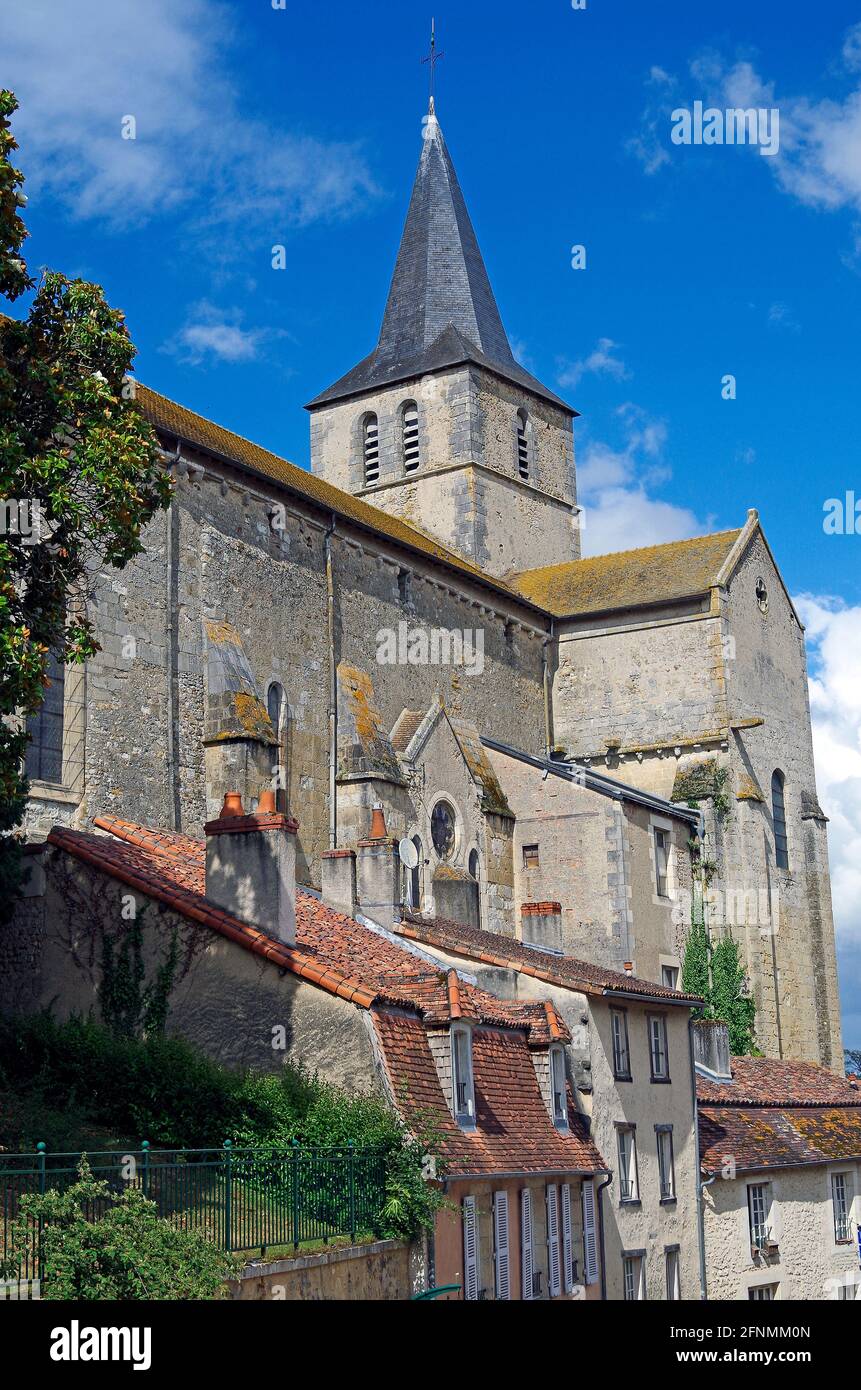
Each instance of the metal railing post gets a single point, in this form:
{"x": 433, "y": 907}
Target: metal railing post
{"x": 228, "y": 1196}
{"x": 145, "y": 1167}
{"x": 352, "y": 1178}
{"x": 295, "y": 1194}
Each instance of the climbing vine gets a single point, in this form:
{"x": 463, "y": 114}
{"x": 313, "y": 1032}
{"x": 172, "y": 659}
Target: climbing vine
{"x": 130, "y": 1006}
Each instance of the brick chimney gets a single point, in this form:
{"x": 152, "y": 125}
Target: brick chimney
{"x": 379, "y": 873}
{"x": 251, "y": 866}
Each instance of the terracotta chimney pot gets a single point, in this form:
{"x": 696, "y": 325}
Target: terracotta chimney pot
{"x": 378, "y": 823}
{"x": 232, "y": 806}
{"x": 266, "y": 804}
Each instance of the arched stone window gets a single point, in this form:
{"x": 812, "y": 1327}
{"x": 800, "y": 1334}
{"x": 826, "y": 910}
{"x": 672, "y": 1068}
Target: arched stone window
{"x": 524, "y": 444}
{"x": 44, "y": 757}
{"x": 474, "y": 865}
{"x": 276, "y": 705}
{"x": 778, "y": 811}
{"x": 410, "y": 436}
{"x": 371, "y": 449}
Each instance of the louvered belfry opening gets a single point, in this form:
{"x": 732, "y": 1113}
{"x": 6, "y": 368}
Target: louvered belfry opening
{"x": 372, "y": 450}
{"x": 523, "y": 444}
{"x": 412, "y": 454}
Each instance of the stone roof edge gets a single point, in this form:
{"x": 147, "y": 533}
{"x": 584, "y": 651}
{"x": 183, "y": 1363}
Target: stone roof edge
{"x": 751, "y": 528}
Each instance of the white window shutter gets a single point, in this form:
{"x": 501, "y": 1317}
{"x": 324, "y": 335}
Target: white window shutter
{"x": 590, "y": 1245}
{"x": 553, "y": 1240}
{"x": 527, "y": 1263}
{"x": 470, "y": 1249}
{"x": 500, "y": 1244}
{"x": 567, "y": 1252}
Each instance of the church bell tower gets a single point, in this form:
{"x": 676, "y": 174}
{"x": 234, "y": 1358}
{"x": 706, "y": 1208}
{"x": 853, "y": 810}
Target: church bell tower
{"x": 440, "y": 426}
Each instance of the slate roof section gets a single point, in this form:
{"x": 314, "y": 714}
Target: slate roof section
{"x": 332, "y": 950}
{"x": 441, "y": 309}
{"x": 504, "y": 952}
{"x": 776, "y": 1115}
{"x": 628, "y": 578}
{"x": 513, "y": 1131}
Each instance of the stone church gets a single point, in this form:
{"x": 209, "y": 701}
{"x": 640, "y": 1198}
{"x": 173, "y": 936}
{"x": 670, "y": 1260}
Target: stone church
{"x": 568, "y": 752}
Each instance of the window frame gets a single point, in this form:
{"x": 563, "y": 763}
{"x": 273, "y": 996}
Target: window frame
{"x": 370, "y": 452}
{"x": 37, "y": 752}
{"x": 636, "y": 1261}
{"x": 673, "y": 1273}
{"x": 845, "y": 1177}
{"x": 557, "y": 1061}
{"x": 767, "y": 1209}
{"x": 628, "y": 1166}
{"x": 523, "y": 445}
{"x": 663, "y": 879}
{"x": 531, "y": 852}
{"x": 666, "y": 1164}
{"x": 616, "y": 1055}
{"x": 465, "y": 1117}
{"x": 658, "y": 1078}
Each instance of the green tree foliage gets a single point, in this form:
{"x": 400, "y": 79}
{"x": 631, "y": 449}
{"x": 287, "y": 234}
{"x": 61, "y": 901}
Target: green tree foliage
{"x": 729, "y": 1001}
{"x": 79, "y": 1084}
{"x": 695, "y": 967}
{"x": 80, "y": 476}
{"x": 853, "y": 1059}
{"x": 98, "y": 1244}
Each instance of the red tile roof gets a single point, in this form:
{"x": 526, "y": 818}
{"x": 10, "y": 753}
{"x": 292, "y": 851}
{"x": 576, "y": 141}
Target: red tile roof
{"x": 777, "y": 1115}
{"x": 503, "y": 951}
{"x": 765, "y": 1081}
{"x": 513, "y": 1130}
{"x": 332, "y": 950}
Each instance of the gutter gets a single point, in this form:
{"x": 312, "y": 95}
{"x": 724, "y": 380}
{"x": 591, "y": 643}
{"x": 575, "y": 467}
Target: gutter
{"x": 689, "y": 1002}
{"x": 597, "y": 782}
{"x": 606, "y": 1183}
{"x": 333, "y": 686}
{"x": 701, "y": 1231}
{"x": 492, "y": 1175}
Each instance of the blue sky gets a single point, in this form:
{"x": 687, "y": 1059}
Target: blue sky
{"x": 301, "y": 127}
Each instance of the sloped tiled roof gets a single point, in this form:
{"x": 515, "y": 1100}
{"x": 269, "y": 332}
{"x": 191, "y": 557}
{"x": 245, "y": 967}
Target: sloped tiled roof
{"x": 777, "y": 1114}
{"x": 767, "y": 1081}
{"x": 628, "y": 578}
{"x": 332, "y": 950}
{"x": 513, "y": 1131}
{"x": 503, "y": 951}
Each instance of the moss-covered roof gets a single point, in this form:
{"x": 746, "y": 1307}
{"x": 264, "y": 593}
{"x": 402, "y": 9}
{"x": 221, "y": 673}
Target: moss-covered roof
{"x": 629, "y": 578}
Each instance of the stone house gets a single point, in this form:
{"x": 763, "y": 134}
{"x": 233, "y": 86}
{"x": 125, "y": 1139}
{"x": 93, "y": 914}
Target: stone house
{"x": 780, "y": 1150}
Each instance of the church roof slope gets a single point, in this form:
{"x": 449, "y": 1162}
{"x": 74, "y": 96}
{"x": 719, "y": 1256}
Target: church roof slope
{"x": 441, "y": 310}
{"x": 628, "y": 578}
{"x": 178, "y": 421}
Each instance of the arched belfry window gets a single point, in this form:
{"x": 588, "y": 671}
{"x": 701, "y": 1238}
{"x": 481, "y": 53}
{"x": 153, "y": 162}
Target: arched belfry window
{"x": 524, "y": 450}
{"x": 371, "y": 449}
{"x": 778, "y": 811}
{"x": 410, "y": 428}
{"x": 44, "y": 758}
{"x": 415, "y": 889}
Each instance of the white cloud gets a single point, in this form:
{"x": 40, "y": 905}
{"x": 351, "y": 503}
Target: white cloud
{"x": 79, "y": 69}
{"x": 211, "y": 333}
{"x": 613, "y": 489}
{"x": 781, "y": 316}
{"x": 600, "y": 361}
{"x": 834, "y": 645}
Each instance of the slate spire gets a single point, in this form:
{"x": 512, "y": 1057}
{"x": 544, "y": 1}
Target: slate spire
{"x": 441, "y": 310}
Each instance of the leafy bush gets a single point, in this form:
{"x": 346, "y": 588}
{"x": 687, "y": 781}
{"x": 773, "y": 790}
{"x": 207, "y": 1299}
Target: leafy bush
{"x": 77, "y": 1084}
{"x": 101, "y": 1245}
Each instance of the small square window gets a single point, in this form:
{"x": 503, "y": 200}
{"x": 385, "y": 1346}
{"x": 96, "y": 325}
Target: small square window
{"x": 530, "y": 857}
{"x": 670, "y": 976}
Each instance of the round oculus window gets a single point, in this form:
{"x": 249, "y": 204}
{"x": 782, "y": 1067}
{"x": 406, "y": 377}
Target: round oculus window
{"x": 442, "y": 829}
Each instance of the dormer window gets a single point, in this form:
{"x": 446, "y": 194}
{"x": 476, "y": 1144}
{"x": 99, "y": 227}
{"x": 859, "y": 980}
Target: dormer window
{"x": 371, "y": 449}
{"x": 462, "y": 1091}
{"x": 524, "y": 450}
{"x": 558, "y": 1088}
{"x": 410, "y": 435}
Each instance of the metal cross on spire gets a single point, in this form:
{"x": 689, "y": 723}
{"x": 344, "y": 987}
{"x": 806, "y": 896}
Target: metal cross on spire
{"x": 433, "y": 58}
